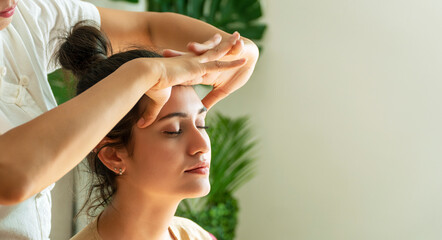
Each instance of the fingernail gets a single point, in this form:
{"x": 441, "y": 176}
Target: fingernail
{"x": 234, "y": 39}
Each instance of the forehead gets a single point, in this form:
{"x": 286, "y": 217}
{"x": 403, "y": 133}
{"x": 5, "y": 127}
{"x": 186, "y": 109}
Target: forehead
{"x": 182, "y": 99}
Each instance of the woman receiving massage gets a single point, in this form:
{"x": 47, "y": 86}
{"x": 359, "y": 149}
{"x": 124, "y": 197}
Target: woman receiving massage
{"x": 142, "y": 174}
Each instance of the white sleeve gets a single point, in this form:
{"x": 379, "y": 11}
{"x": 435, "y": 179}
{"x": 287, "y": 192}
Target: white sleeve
{"x": 57, "y": 17}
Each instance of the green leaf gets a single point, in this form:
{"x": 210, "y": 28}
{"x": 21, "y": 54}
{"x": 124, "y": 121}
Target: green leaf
{"x": 181, "y": 6}
{"x": 214, "y": 8}
{"x": 244, "y": 4}
{"x": 255, "y": 31}
{"x": 153, "y": 5}
{"x": 62, "y": 85}
{"x": 165, "y": 6}
{"x": 227, "y": 12}
{"x": 196, "y": 8}
{"x": 252, "y": 12}
{"x": 220, "y": 218}
{"x": 228, "y": 15}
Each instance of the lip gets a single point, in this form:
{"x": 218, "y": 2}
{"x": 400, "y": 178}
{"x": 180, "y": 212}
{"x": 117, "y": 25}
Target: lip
{"x": 200, "y": 168}
{"x": 8, "y": 12}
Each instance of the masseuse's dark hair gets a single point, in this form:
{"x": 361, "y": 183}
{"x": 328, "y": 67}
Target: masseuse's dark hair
{"x": 87, "y": 53}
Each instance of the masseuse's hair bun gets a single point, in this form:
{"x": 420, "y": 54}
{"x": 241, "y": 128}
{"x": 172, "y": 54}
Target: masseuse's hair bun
{"x": 83, "y": 47}
{"x": 87, "y": 53}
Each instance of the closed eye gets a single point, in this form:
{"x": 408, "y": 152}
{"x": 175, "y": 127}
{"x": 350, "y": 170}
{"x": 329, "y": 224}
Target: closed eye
{"x": 181, "y": 131}
{"x": 173, "y": 132}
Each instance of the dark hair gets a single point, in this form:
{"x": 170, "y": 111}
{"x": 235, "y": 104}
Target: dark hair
{"x": 87, "y": 53}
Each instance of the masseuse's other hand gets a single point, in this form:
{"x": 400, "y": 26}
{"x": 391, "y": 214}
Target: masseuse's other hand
{"x": 184, "y": 70}
{"x": 224, "y": 82}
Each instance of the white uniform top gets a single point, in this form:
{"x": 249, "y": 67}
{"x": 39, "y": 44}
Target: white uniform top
{"x": 26, "y": 48}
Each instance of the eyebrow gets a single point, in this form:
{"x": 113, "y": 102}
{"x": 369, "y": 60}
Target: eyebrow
{"x": 181, "y": 114}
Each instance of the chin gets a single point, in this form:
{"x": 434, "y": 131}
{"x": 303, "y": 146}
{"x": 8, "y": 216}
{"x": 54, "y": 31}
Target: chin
{"x": 206, "y": 191}
{"x": 198, "y": 191}
{"x": 4, "y": 23}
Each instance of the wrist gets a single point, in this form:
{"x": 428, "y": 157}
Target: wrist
{"x": 144, "y": 73}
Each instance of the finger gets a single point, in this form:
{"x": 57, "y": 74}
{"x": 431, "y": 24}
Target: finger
{"x": 220, "y": 50}
{"x": 172, "y": 53}
{"x": 215, "y": 40}
{"x": 195, "y": 81}
{"x": 150, "y": 114}
{"x": 221, "y": 91}
{"x": 210, "y": 78}
{"x": 200, "y": 48}
{"x": 237, "y": 48}
{"x": 214, "y": 96}
{"x": 218, "y": 66}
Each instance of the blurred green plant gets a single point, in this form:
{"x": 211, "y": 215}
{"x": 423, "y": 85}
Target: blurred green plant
{"x": 62, "y": 85}
{"x": 232, "y": 166}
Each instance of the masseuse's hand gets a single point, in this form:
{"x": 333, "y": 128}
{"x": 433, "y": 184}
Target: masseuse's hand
{"x": 185, "y": 70}
{"x": 224, "y": 82}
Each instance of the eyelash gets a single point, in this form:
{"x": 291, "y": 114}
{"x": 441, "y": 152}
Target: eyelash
{"x": 181, "y": 131}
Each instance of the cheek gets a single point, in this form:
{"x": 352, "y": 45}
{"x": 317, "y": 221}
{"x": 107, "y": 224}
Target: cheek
{"x": 209, "y": 144}
{"x": 155, "y": 160}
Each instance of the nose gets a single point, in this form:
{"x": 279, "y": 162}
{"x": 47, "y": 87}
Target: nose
{"x": 199, "y": 142}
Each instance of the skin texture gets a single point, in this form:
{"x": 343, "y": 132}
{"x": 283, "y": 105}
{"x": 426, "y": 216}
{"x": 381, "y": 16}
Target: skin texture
{"x": 154, "y": 178}
{"x": 74, "y": 128}
{"x": 6, "y": 4}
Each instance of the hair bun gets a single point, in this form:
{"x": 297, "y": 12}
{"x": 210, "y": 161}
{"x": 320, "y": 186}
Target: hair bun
{"x": 83, "y": 47}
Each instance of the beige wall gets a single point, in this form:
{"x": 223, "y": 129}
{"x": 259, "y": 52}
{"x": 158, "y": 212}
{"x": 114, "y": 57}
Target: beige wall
{"x": 346, "y": 100}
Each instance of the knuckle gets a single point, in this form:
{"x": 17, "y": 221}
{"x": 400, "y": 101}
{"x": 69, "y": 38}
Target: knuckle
{"x": 218, "y": 64}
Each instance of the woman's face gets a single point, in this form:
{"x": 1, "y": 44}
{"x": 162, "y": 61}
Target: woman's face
{"x": 171, "y": 157}
{"x": 7, "y": 8}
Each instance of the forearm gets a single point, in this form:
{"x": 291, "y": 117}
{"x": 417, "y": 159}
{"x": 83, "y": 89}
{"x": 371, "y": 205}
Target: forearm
{"x": 155, "y": 30}
{"x": 40, "y": 152}
{"x": 175, "y": 31}
{"x": 182, "y": 30}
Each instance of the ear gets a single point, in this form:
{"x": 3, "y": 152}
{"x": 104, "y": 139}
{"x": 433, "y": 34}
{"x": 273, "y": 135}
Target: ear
{"x": 113, "y": 158}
